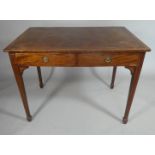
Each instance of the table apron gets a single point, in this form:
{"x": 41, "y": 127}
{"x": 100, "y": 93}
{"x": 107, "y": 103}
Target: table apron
{"x": 77, "y": 60}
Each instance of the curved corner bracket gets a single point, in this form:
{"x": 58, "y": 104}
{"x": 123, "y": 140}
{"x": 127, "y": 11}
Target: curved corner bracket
{"x": 131, "y": 68}
{"x": 22, "y": 68}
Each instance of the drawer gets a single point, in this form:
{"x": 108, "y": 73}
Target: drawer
{"x": 45, "y": 59}
{"x": 108, "y": 59}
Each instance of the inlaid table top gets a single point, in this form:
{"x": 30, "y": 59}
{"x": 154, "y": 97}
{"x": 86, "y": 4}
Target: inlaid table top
{"x": 77, "y": 39}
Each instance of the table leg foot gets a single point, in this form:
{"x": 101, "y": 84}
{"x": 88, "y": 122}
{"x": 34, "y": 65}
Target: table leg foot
{"x": 29, "y": 118}
{"x": 111, "y": 86}
{"x": 41, "y": 86}
{"x": 125, "y": 121}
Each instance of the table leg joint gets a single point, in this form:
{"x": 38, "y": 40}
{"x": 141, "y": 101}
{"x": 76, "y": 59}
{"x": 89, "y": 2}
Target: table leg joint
{"x": 131, "y": 69}
{"x": 22, "y": 69}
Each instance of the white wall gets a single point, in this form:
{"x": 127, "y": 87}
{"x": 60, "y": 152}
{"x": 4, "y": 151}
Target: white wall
{"x": 145, "y": 30}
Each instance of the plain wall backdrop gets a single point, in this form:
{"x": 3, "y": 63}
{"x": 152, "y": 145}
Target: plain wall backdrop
{"x": 12, "y": 116}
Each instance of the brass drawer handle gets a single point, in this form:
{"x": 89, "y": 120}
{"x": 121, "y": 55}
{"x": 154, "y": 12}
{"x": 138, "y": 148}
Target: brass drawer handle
{"x": 108, "y": 59}
{"x": 45, "y": 59}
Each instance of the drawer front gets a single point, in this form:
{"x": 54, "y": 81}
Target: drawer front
{"x": 41, "y": 59}
{"x": 118, "y": 59}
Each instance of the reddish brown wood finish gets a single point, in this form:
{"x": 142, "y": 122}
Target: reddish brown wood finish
{"x": 77, "y": 47}
{"x": 108, "y": 59}
{"x": 77, "y": 39}
{"x": 113, "y": 77}
{"x": 40, "y": 77}
{"x": 78, "y": 59}
{"x": 45, "y": 59}
{"x": 18, "y": 71}
{"x": 135, "y": 72}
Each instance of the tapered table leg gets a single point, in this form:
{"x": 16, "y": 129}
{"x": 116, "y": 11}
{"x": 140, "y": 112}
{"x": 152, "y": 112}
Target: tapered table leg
{"x": 40, "y": 77}
{"x": 113, "y": 77}
{"x": 134, "y": 81}
{"x": 20, "y": 83}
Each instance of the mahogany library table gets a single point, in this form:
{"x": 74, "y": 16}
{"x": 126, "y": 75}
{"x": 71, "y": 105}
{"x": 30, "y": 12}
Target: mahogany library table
{"x": 77, "y": 47}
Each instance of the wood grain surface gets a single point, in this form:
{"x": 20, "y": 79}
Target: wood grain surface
{"x": 77, "y": 39}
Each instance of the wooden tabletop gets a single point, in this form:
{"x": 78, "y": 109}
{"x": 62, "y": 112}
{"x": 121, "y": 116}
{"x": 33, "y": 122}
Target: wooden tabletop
{"x": 77, "y": 39}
